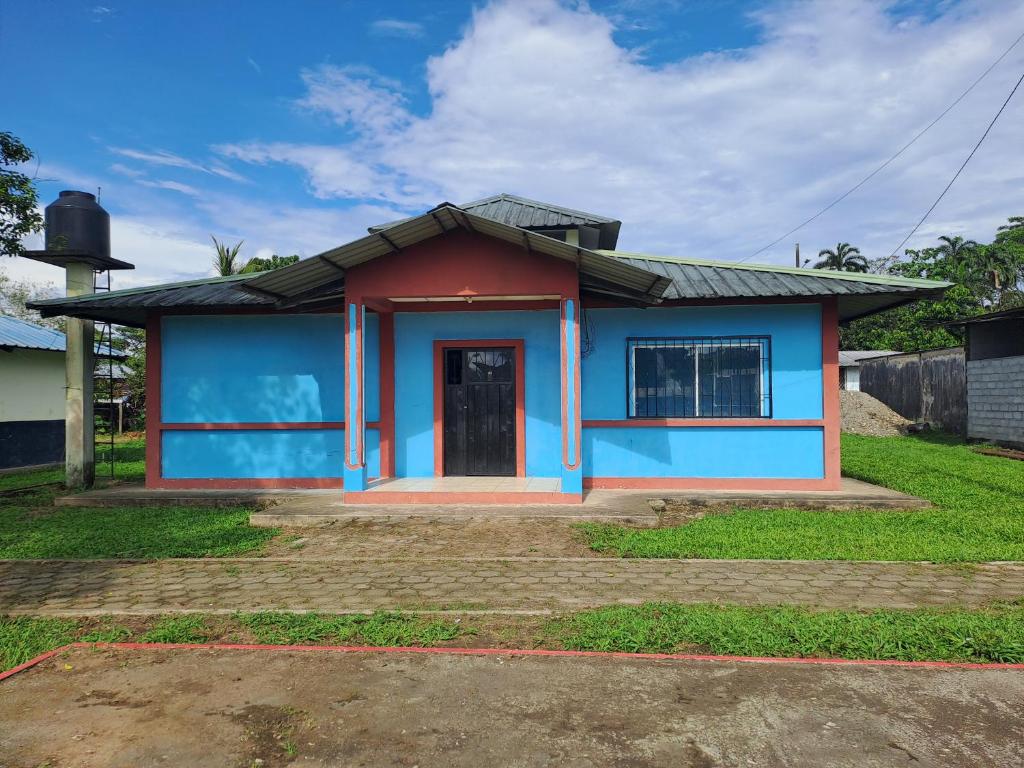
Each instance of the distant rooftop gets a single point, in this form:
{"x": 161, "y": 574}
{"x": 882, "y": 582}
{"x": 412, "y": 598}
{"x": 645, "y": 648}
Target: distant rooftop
{"x": 21, "y": 334}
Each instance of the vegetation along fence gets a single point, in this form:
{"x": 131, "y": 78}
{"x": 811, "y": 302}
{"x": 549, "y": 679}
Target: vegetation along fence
{"x": 926, "y": 387}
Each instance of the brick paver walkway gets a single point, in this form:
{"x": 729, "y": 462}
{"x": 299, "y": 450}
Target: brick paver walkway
{"x": 514, "y": 584}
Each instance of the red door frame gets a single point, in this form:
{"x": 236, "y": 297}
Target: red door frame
{"x": 519, "y": 347}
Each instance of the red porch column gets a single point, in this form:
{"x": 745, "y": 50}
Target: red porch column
{"x": 830, "y": 390}
{"x": 387, "y": 393}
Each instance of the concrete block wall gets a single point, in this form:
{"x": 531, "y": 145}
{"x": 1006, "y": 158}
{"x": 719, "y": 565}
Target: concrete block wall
{"x": 995, "y": 399}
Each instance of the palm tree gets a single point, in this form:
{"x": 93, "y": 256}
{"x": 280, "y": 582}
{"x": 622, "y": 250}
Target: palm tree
{"x": 225, "y": 261}
{"x": 844, "y": 258}
{"x": 994, "y": 263}
{"x": 959, "y": 254}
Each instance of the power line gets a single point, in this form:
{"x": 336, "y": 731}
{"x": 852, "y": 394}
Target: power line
{"x": 902, "y": 149}
{"x": 958, "y": 172}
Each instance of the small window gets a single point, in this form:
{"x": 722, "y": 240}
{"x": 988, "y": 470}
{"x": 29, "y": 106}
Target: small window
{"x": 699, "y": 377}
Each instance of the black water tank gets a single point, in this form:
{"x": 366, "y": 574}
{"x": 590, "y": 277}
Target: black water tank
{"x": 76, "y": 222}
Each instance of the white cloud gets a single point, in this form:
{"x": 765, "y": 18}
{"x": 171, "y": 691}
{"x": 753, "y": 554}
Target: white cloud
{"x": 712, "y": 155}
{"x": 397, "y": 28}
{"x": 169, "y": 159}
{"x": 256, "y": 67}
{"x": 174, "y": 186}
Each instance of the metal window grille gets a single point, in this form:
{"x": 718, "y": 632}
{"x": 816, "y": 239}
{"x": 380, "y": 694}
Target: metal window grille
{"x": 699, "y": 377}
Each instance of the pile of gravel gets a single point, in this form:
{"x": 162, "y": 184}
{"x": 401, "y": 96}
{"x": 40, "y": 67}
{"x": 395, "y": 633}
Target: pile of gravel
{"x": 862, "y": 414}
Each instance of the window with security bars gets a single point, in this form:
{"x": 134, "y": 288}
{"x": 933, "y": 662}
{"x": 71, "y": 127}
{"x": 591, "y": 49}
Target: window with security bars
{"x": 699, "y": 377}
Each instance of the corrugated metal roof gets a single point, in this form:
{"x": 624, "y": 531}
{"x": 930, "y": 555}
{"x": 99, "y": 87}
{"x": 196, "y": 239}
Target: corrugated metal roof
{"x": 859, "y": 294}
{"x": 129, "y": 306}
{"x": 292, "y": 281}
{"x": 522, "y": 212}
{"x": 632, "y": 277}
{"x": 21, "y": 334}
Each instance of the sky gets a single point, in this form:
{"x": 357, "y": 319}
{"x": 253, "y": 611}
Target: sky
{"x": 710, "y": 128}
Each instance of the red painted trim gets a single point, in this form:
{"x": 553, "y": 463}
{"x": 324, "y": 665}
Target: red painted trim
{"x": 216, "y": 426}
{"x": 242, "y": 483}
{"x": 154, "y": 350}
{"x": 520, "y": 351}
{"x": 709, "y": 483}
{"x": 387, "y": 394}
{"x": 461, "y": 497}
{"x": 477, "y": 305}
{"x": 627, "y": 423}
{"x": 712, "y": 658}
{"x": 830, "y": 389}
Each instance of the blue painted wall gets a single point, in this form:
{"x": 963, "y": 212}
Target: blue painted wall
{"x": 260, "y": 368}
{"x": 789, "y": 452}
{"x": 290, "y": 368}
{"x": 414, "y": 387}
{"x": 795, "y": 331}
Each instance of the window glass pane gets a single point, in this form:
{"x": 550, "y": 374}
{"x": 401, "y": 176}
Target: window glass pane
{"x": 664, "y": 381}
{"x": 699, "y": 377}
{"x": 730, "y": 381}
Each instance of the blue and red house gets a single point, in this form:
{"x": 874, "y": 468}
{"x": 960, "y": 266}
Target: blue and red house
{"x": 504, "y": 342}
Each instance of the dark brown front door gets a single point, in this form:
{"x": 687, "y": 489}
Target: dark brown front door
{"x": 479, "y": 411}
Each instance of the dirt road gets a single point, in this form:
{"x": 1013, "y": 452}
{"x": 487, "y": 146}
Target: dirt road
{"x": 271, "y": 708}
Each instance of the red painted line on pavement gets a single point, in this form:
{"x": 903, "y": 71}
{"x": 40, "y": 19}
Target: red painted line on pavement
{"x": 516, "y": 652}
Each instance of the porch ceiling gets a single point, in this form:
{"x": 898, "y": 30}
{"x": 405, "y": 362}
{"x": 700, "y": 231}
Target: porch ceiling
{"x": 599, "y": 273}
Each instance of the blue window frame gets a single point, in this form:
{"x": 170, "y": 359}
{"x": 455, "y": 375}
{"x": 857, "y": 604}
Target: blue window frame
{"x": 699, "y": 377}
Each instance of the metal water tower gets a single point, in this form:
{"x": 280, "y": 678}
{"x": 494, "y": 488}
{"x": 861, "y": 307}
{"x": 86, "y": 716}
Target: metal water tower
{"x": 78, "y": 239}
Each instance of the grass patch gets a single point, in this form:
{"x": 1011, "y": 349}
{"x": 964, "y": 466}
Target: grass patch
{"x": 32, "y": 528}
{"x": 189, "y": 628}
{"x": 23, "y": 638}
{"x": 378, "y": 629}
{"x": 979, "y": 514}
{"x": 28, "y": 531}
{"x": 993, "y": 635}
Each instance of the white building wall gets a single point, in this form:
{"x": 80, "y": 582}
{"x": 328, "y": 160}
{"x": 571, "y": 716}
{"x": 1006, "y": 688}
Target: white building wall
{"x": 31, "y": 385}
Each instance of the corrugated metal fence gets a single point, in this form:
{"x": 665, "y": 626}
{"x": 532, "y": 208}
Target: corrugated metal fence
{"x": 921, "y": 386}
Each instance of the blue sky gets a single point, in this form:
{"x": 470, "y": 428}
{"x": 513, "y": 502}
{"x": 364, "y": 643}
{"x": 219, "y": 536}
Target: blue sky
{"x": 710, "y": 128}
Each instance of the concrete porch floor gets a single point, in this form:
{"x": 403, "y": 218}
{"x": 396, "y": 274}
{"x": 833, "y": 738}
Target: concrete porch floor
{"x": 311, "y": 507}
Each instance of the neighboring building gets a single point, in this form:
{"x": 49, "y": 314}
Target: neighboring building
{"x": 849, "y": 366}
{"x": 32, "y": 382}
{"x": 504, "y": 340}
{"x": 994, "y": 346}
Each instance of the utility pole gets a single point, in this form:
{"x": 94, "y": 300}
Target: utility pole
{"x": 798, "y": 255}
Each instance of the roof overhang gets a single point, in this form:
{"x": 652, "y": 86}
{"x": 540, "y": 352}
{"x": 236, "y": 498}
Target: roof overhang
{"x": 598, "y": 273}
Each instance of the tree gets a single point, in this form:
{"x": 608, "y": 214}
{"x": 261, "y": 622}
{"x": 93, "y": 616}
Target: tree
{"x": 15, "y": 294}
{"x": 258, "y": 264}
{"x": 844, "y": 258}
{"x": 19, "y": 215}
{"x": 226, "y": 260}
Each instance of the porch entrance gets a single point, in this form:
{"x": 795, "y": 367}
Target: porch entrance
{"x": 480, "y": 411}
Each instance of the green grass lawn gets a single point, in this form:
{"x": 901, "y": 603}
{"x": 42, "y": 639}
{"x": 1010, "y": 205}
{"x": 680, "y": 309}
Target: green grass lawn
{"x": 32, "y": 528}
{"x": 979, "y": 514}
{"x": 995, "y": 634}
